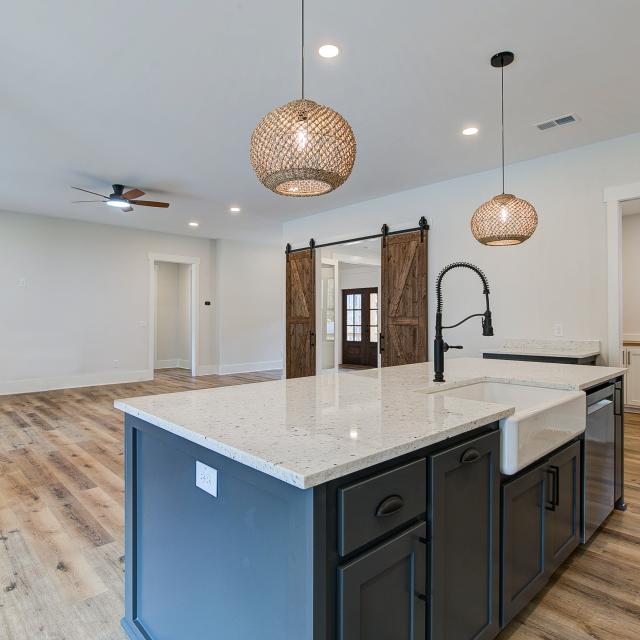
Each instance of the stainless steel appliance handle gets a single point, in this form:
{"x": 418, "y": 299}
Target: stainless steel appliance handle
{"x": 598, "y": 405}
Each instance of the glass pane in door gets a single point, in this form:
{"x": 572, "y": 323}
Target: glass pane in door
{"x": 354, "y": 317}
{"x": 373, "y": 317}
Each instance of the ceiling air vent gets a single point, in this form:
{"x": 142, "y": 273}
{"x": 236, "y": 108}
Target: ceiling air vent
{"x": 557, "y": 122}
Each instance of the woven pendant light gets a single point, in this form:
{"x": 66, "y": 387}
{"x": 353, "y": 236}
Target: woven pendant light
{"x": 303, "y": 148}
{"x": 505, "y": 219}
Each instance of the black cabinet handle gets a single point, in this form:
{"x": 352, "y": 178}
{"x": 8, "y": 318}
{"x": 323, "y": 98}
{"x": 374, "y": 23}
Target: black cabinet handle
{"x": 556, "y": 485}
{"x": 389, "y": 506}
{"x": 421, "y": 596}
{"x": 381, "y": 342}
{"x": 470, "y": 455}
{"x": 554, "y": 501}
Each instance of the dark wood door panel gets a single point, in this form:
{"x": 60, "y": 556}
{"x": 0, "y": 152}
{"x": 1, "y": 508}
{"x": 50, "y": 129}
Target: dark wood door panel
{"x": 360, "y": 326}
{"x": 301, "y": 316}
{"x": 404, "y": 298}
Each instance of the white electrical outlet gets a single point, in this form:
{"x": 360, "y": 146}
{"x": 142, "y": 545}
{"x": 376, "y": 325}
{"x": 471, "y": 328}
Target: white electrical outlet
{"x": 116, "y": 364}
{"x": 22, "y": 282}
{"x": 207, "y": 478}
{"x": 558, "y": 330}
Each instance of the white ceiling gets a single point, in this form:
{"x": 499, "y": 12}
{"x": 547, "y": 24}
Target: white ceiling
{"x": 164, "y": 95}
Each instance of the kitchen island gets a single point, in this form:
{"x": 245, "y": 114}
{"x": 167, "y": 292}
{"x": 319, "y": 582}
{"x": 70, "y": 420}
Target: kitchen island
{"x": 347, "y": 505}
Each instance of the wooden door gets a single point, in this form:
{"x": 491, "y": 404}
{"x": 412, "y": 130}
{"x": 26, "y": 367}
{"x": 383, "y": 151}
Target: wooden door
{"x": 382, "y": 593}
{"x": 464, "y": 489}
{"x": 301, "y": 314}
{"x": 403, "y": 308}
{"x": 360, "y": 326}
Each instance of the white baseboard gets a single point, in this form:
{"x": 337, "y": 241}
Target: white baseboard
{"x": 31, "y": 385}
{"x": 173, "y": 363}
{"x": 248, "y": 367}
{"x": 208, "y": 369}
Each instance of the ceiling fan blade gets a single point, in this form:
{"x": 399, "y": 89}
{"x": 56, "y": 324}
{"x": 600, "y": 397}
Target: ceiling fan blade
{"x": 132, "y": 194}
{"x": 91, "y": 192}
{"x": 77, "y": 201}
{"x": 150, "y": 203}
{"x": 127, "y": 209}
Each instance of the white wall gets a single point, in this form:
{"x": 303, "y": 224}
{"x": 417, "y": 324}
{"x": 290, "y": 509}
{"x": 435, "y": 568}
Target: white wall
{"x": 173, "y": 317}
{"x": 558, "y": 276}
{"x": 249, "y": 293}
{"x": 74, "y": 302}
{"x": 358, "y": 276}
{"x": 631, "y": 276}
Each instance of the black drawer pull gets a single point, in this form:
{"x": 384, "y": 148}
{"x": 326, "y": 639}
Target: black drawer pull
{"x": 470, "y": 455}
{"x": 422, "y": 597}
{"x": 389, "y": 506}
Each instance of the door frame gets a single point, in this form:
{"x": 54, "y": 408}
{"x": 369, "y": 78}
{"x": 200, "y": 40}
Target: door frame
{"x": 613, "y": 198}
{"x": 194, "y": 263}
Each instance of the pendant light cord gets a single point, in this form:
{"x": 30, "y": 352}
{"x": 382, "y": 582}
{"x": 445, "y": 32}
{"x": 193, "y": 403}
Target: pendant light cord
{"x": 502, "y": 122}
{"x": 302, "y": 47}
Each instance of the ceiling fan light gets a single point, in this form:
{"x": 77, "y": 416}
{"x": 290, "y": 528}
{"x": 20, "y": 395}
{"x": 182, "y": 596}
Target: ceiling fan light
{"x": 121, "y": 203}
{"x": 303, "y": 149}
{"x": 504, "y": 220}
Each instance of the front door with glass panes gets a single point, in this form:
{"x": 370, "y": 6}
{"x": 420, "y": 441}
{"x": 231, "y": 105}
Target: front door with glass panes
{"x": 360, "y": 327}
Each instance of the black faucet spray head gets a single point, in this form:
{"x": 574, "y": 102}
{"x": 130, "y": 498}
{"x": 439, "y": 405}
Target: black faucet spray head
{"x": 487, "y": 325}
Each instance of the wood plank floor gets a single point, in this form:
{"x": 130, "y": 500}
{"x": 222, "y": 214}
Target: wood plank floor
{"x": 61, "y": 526}
{"x": 61, "y": 507}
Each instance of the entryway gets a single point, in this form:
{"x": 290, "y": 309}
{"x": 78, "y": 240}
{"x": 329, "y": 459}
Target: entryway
{"x": 173, "y": 313}
{"x": 360, "y": 327}
{"x": 630, "y": 246}
{"x": 357, "y": 303}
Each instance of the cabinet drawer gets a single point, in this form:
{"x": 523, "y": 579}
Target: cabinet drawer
{"x": 372, "y": 507}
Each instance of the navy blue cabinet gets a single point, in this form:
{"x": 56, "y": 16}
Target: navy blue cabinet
{"x": 382, "y": 593}
{"x": 540, "y": 526}
{"x": 464, "y": 514}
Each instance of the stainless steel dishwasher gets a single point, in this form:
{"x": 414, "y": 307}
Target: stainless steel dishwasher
{"x": 598, "y": 494}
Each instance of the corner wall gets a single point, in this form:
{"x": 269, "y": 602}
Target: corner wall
{"x": 249, "y": 293}
{"x": 74, "y": 302}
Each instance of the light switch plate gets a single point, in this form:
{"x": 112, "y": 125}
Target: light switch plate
{"x": 207, "y": 478}
{"x": 558, "y": 330}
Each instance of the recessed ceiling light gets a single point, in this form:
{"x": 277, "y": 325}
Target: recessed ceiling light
{"x": 328, "y": 51}
{"x": 470, "y": 131}
{"x": 194, "y": 224}
{"x": 234, "y": 209}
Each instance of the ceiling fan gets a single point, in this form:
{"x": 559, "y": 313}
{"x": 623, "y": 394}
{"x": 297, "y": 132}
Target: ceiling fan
{"x": 121, "y": 199}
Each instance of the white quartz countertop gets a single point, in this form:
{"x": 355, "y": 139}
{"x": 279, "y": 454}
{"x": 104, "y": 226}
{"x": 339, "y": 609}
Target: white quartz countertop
{"x": 308, "y": 431}
{"x": 549, "y": 348}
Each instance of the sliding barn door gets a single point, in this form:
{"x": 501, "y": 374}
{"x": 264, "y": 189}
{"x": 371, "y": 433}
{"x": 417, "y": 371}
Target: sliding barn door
{"x": 301, "y": 314}
{"x": 404, "y": 298}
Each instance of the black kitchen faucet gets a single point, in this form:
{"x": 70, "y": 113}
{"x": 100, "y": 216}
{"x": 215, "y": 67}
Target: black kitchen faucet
{"x": 439, "y": 345}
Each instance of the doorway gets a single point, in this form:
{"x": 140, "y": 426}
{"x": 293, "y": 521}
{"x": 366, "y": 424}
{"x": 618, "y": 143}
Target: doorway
{"x": 630, "y": 307}
{"x": 360, "y": 327}
{"x": 173, "y": 313}
{"x": 393, "y": 266}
